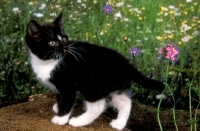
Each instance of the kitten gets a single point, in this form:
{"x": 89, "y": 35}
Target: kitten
{"x": 100, "y": 74}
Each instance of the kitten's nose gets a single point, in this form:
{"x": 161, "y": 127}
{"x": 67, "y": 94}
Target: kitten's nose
{"x": 65, "y": 49}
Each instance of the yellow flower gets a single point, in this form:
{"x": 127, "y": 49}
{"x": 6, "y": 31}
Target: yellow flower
{"x": 171, "y": 72}
{"x": 181, "y": 5}
{"x": 170, "y": 36}
{"x": 171, "y": 12}
{"x": 184, "y": 22}
{"x": 185, "y": 12}
{"x": 179, "y": 43}
{"x": 143, "y": 8}
{"x": 163, "y": 9}
{"x": 159, "y": 38}
{"x": 140, "y": 18}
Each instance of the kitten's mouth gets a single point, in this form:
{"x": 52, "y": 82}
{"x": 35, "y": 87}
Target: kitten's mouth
{"x": 65, "y": 50}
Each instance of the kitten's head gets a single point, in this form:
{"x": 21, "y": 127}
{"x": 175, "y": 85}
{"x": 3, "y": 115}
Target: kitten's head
{"x": 47, "y": 41}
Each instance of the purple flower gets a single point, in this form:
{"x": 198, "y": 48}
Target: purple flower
{"x": 107, "y": 9}
{"x": 129, "y": 93}
{"x": 134, "y": 51}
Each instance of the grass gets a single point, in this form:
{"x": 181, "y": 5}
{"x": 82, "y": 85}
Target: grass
{"x": 148, "y": 26}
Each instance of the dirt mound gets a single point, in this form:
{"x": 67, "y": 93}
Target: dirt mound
{"x": 35, "y": 115}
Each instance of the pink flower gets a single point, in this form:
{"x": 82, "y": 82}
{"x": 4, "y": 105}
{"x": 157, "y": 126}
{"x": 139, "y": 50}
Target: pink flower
{"x": 169, "y": 52}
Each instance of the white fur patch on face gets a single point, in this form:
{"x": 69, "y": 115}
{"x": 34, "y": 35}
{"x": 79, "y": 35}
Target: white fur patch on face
{"x": 42, "y": 69}
{"x": 123, "y": 104}
{"x": 60, "y": 120}
{"x": 59, "y": 37}
{"x": 94, "y": 109}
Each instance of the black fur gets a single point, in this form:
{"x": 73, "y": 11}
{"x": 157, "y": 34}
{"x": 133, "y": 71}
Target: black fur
{"x": 93, "y": 70}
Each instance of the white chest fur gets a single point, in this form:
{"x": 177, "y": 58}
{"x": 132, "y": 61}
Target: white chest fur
{"x": 43, "y": 69}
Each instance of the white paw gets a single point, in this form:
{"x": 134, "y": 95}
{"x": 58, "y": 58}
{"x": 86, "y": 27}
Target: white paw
{"x": 60, "y": 120}
{"x": 119, "y": 125}
{"x": 55, "y": 108}
{"x": 77, "y": 122}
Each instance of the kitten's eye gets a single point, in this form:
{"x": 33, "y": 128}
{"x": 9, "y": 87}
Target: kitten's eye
{"x": 52, "y": 43}
{"x": 64, "y": 39}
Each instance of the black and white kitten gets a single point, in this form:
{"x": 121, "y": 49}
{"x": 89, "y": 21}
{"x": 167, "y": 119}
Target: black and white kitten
{"x": 100, "y": 74}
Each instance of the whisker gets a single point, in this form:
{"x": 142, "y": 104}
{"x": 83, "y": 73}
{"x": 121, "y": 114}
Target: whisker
{"x": 52, "y": 55}
{"x": 48, "y": 53}
{"x": 74, "y": 57}
{"x": 79, "y": 48}
{"x": 63, "y": 63}
{"x": 77, "y": 54}
{"x": 73, "y": 43}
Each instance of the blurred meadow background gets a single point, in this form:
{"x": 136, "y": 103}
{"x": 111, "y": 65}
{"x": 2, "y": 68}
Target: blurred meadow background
{"x": 148, "y": 25}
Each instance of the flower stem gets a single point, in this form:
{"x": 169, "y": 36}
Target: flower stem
{"x": 100, "y": 26}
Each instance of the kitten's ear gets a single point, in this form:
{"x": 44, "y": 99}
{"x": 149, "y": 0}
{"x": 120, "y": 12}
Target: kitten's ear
{"x": 33, "y": 29}
{"x": 58, "y": 20}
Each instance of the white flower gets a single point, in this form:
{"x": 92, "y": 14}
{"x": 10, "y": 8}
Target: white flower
{"x": 38, "y": 15}
{"x": 188, "y": 1}
{"x": 158, "y": 97}
{"x": 78, "y": 1}
{"x": 52, "y": 14}
{"x": 118, "y": 15}
{"x": 42, "y": 6}
{"x": 137, "y": 10}
{"x": 30, "y": 3}
{"x": 120, "y": 4}
{"x": 171, "y": 7}
{"x": 84, "y": 5}
{"x": 186, "y": 38}
{"x": 126, "y": 19}
{"x": 16, "y": 10}
{"x": 184, "y": 28}
{"x": 167, "y": 32}
{"x": 196, "y": 32}
{"x": 159, "y": 20}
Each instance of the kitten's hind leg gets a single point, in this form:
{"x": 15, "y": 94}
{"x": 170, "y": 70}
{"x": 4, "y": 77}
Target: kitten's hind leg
{"x": 94, "y": 109}
{"x": 123, "y": 105}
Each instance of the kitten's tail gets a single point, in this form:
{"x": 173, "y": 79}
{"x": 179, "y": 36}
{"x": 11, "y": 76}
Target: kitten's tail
{"x": 146, "y": 82}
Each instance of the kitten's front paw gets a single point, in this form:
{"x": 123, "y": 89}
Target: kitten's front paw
{"x": 76, "y": 122}
{"x": 60, "y": 120}
{"x": 55, "y": 108}
{"x": 119, "y": 125}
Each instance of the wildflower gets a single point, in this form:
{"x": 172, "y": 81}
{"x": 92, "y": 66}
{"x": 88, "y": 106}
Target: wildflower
{"x": 42, "y": 6}
{"x": 118, "y": 15}
{"x": 185, "y": 38}
{"x": 184, "y": 28}
{"x": 129, "y": 93}
{"x": 16, "y": 10}
{"x": 169, "y": 52}
{"x": 159, "y": 38}
{"x": 134, "y": 51}
{"x": 125, "y": 38}
{"x": 107, "y": 9}
{"x": 188, "y": 1}
{"x": 160, "y": 51}
{"x": 38, "y": 15}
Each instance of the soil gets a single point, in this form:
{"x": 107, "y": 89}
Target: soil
{"x": 35, "y": 115}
